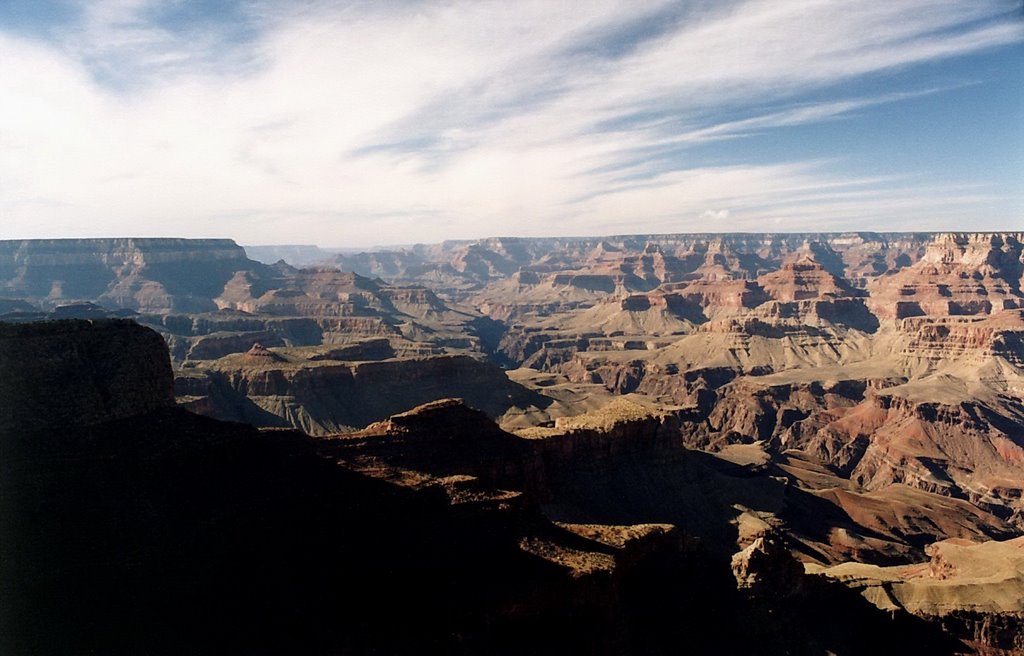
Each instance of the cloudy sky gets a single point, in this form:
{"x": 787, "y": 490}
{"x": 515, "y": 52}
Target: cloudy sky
{"x": 361, "y": 123}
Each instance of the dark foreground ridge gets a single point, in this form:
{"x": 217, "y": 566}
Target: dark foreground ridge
{"x": 150, "y": 530}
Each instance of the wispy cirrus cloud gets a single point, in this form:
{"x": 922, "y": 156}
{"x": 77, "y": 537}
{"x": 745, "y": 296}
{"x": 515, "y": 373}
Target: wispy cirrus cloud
{"x": 398, "y": 122}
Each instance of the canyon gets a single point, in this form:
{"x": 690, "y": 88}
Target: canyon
{"x": 797, "y": 425}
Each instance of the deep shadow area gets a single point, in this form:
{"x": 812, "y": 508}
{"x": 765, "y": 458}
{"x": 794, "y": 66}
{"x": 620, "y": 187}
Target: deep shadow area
{"x": 170, "y": 533}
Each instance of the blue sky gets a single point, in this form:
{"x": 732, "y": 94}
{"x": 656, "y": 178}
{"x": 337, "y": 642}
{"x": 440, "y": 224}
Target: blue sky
{"x": 362, "y": 123}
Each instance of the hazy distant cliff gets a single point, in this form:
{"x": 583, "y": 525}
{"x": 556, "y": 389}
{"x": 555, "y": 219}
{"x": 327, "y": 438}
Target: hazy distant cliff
{"x": 856, "y": 255}
{"x": 141, "y": 274}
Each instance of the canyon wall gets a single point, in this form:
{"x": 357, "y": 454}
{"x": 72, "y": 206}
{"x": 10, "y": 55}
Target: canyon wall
{"x": 71, "y": 373}
{"x": 142, "y": 274}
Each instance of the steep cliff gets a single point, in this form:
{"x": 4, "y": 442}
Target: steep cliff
{"x": 223, "y": 539}
{"x": 975, "y": 590}
{"x": 76, "y": 373}
{"x": 959, "y": 274}
{"x": 140, "y": 528}
{"x": 327, "y": 392}
{"x": 152, "y": 275}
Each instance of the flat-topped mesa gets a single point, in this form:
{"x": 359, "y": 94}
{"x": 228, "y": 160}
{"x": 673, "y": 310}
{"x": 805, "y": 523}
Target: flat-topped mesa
{"x": 805, "y": 279}
{"x": 329, "y": 295}
{"x": 152, "y": 275}
{"x": 322, "y": 395}
{"x": 959, "y": 274}
{"x": 592, "y": 282}
{"x": 413, "y": 296}
{"x": 116, "y": 251}
{"x": 732, "y": 294}
{"x": 658, "y": 299}
{"x": 653, "y": 313}
{"x": 76, "y": 373}
{"x": 600, "y": 437}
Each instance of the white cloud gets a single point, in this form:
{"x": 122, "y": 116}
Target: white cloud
{"x": 398, "y": 123}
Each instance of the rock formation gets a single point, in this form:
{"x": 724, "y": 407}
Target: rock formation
{"x": 974, "y": 589}
{"x": 862, "y": 394}
{"x": 327, "y": 391}
{"x": 141, "y": 274}
{"x": 76, "y": 373}
{"x": 152, "y": 530}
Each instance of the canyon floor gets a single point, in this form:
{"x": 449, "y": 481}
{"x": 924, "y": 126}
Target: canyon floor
{"x": 822, "y": 434}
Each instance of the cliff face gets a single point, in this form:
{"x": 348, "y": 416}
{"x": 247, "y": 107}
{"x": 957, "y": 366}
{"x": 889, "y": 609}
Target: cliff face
{"x": 153, "y": 275}
{"x": 972, "y": 589}
{"x": 225, "y": 540}
{"x": 140, "y": 528}
{"x": 324, "y": 393}
{"x": 651, "y": 258}
{"x": 71, "y": 373}
{"x": 959, "y": 274}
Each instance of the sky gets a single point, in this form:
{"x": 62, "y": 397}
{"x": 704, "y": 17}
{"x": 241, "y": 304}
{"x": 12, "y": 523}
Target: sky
{"x": 352, "y": 124}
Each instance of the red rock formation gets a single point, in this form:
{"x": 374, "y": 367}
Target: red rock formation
{"x": 959, "y": 274}
{"x": 945, "y": 338}
{"x": 804, "y": 279}
{"x": 724, "y": 293}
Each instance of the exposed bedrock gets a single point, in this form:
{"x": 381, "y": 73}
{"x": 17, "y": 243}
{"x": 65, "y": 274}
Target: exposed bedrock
{"x": 225, "y": 540}
{"x": 974, "y": 590}
{"x": 142, "y": 274}
{"x": 323, "y": 395}
{"x": 959, "y": 274}
{"x": 432, "y": 514}
{"x": 69, "y": 373}
{"x": 877, "y": 439}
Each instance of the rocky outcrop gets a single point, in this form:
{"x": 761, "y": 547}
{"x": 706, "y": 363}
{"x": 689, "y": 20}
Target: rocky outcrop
{"x": 212, "y": 347}
{"x": 727, "y": 293}
{"x": 445, "y": 438}
{"x": 765, "y": 567}
{"x": 599, "y": 438}
{"x": 973, "y": 589}
{"x": 77, "y": 373}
